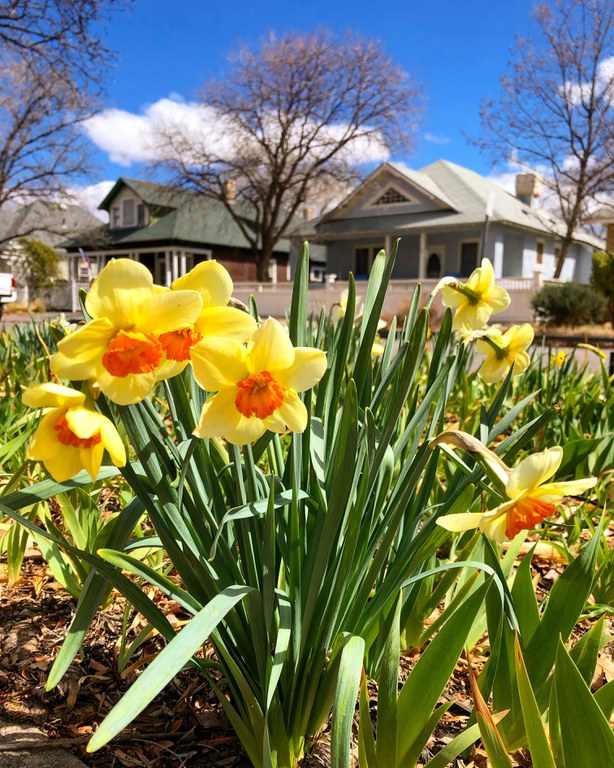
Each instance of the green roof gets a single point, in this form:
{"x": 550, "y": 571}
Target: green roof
{"x": 184, "y": 217}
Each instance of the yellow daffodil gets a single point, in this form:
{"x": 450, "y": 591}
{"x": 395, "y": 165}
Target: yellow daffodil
{"x": 476, "y": 300}
{"x": 378, "y": 347}
{"x": 70, "y": 436}
{"x": 559, "y": 359}
{"x": 339, "y": 309}
{"x": 256, "y": 385}
{"x": 531, "y": 498}
{"x": 120, "y": 350}
{"x": 212, "y": 281}
{"x": 504, "y": 351}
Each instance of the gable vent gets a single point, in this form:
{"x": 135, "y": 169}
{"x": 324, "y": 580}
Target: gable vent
{"x": 391, "y": 197}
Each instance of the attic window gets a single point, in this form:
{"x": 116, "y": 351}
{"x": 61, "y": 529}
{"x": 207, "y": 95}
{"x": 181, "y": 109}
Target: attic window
{"x": 391, "y": 197}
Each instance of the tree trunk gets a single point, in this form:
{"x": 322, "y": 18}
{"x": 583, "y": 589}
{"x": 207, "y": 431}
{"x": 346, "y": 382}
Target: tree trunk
{"x": 262, "y": 263}
{"x": 565, "y": 243}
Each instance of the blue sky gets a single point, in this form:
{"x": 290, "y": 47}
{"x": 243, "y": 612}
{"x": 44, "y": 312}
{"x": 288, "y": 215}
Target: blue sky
{"x": 455, "y": 49}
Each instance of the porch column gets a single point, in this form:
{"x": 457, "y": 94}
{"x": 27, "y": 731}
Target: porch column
{"x": 175, "y": 264}
{"x": 167, "y": 269}
{"x": 422, "y": 257}
{"x": 182, "y": 263}
{"x": 498, "y": 255}
{"x": 387, "y": 245}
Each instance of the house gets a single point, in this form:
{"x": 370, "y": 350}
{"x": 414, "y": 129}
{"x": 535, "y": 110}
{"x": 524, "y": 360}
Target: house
{"x": 169, "y": 230}
{"x": 447, "y": 218}
{"x": 48, "y": 222}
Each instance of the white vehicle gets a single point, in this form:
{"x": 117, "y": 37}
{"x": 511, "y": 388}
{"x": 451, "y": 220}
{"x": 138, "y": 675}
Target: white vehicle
{"x": 7, "y": 290}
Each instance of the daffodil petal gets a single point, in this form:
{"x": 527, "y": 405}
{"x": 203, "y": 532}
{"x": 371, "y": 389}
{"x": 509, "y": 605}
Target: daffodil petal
{"x": 169, "y": 368}
{"x": 494, "y": 527}
{"x": 272, "y": 349}
{"x": 307, "y": 369}
{"x": 112, "y": 442}
{"x": 482, "y": 277}
{"x": 220, "y": 418}
{"x": 464, "y": 521}
{"x": 293, "y": 412}
{"x": 533, "y": 471}
{"x": 64, "y": 464}
{"x": 211, "y": 280}
{"x": 493, "y": 370}
{"x": 227, "y": 322}
{"x": 52, "y": 395}
{"x": 91, "y": 459}
{"x": 118, "y": 291}
{"x": 126, "y": 390}
{"x": 555, "y": 491}
{"x": 83, "y": 422}
{"x": 518, "y": 337}
{"x": 79, "y": 354}
{"x": 521, "y": 363}
{"x": 168, "y": 311}
{"x": 497, "y": 298}
{"x": 451, "y": 297}
{"x": 218, "y": 363}
{"x": 44, "y": 442}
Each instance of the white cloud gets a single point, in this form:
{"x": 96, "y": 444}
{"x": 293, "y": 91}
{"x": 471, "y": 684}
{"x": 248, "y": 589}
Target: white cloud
{"x": 90, "y": 197}
{"x": 434, "y": 138}
{"x": 128, "y": 138}
{"x": 604, "y": 85}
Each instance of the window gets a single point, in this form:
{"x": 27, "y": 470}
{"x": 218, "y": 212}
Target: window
{"x": 363, "y": 259}
{"x": 433, "y": 266}
{"x": 468, "y": 258}
{"x": 361, "y": 262}
{"x": 391, "y": 197}
{"x": 539, "y": 253}
{"x": 116, "y": 216}
{"x": 128, "y": 213}
{"x": 140, "y": 215}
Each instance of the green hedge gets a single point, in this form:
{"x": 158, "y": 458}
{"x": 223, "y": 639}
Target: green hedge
{"x": 569, "y": 304}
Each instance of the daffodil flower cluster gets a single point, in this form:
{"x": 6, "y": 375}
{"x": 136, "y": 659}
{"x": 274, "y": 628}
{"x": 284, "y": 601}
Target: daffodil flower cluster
{"x": 139, "y": 334}
{"x": 475, "y": 302}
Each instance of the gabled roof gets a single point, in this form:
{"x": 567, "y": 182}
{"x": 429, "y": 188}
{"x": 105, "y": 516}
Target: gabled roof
{"x": 423, "y": 183}
{"x": 159, "y": 195}
{"x": 46, "y": 221}
{"x": 461, "y": 194}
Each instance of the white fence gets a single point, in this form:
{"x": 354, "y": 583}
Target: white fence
{"x": 274, "y": 298}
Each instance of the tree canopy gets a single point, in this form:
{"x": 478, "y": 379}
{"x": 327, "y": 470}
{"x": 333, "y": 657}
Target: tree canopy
{"x": 298, "y": 113}
{"x": 555, "y": 111}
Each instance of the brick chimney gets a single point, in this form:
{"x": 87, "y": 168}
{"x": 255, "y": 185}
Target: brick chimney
{"x": 230, "y": 190}
{"x": 528, "y": 187}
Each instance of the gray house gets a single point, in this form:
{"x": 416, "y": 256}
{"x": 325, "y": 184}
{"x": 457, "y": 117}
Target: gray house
{"x": 447, "y": 218}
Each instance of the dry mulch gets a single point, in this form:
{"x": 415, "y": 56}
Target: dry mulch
{"x": 184, "y": 726}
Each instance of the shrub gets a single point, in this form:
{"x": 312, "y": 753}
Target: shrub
{"x": 569, "y": 304}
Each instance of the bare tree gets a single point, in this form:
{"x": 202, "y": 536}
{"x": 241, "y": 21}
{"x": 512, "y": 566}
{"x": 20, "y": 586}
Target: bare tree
{"x": 61, "y": 35}
{"x": 298, "y": 113}
{"x": 52, "y": 63}
{"x": 556, "y": 107}
{"x": 41, "y": 143}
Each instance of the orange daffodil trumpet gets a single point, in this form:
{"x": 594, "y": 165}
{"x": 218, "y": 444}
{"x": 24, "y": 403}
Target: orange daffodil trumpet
{"x": 504, "y": 351}
{"x": 70, "y": 436}
{"x": 120, "y": 349}
{"x": 256, "y": 385}
{"x": 476, "y": 300}
{"x": 530, "y": 498}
